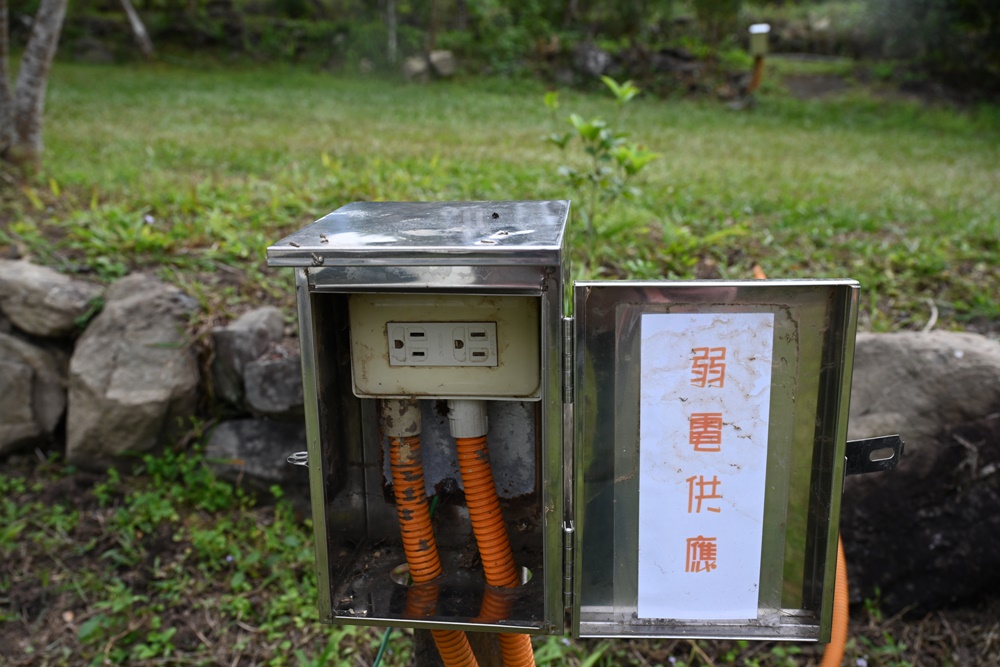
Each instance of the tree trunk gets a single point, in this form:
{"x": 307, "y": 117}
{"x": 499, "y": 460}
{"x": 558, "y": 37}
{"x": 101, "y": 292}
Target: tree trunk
{"x": 138, "y": 29}
{"x": 390, "y": 21}
{"x": 432, "y": 29}
{"x": 6, "y": 97}
{"x": 22, "y": 114}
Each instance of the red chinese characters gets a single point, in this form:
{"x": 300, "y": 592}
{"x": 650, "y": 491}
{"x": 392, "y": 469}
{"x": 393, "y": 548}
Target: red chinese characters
{"x": 701, "y": 489}
{"x": 708, "y": 370}
{"x": 705, "y": 393}
{"x": 705, "y": 431}
{"x": 708, "y": 367}
{"x": 701, "y": 554}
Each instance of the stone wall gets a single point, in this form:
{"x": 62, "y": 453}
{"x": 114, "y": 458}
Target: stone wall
{"x": 107, "y": 373}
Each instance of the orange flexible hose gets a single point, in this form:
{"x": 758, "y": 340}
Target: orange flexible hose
{"x": 514, "y": 649}
{"x": 833, "y": 656}
{"x": 420, "y": 547}
{"x": 453, "y": 645}
{"x": 484, "y": 512}
{"x": 491, "y": 536}
{"x": 413, "y": 510}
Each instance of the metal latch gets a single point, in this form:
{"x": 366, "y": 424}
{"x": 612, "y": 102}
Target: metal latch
{"x": 299, "y": 459}
{"x": 873, "y": 454}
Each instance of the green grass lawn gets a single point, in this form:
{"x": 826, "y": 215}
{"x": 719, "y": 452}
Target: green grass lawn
{"x": 192, "y": 171}
{"x": 188, "y": 168}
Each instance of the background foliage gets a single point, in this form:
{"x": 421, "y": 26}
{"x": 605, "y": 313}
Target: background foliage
{"x": 954, "y": 42}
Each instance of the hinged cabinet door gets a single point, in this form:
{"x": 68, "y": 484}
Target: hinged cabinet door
{"x": 708, "y": 458}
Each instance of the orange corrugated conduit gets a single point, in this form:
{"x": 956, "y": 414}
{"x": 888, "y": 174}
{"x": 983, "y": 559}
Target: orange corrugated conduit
{"x": 413, "y": 510}
{"x": 415, "y": 526}
{"x": 833, "y": 656}
{"x": 484, "y": 512}
{"x": 488, "y": 526}
{"x": 491, "y": 536}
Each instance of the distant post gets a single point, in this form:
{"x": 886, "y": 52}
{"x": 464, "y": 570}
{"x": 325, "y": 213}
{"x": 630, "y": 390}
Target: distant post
{"x": 759, "y": 33}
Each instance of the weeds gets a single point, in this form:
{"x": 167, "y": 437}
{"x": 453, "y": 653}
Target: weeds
{"x": 613, "y": 160}
{"x": 172, "y": 566}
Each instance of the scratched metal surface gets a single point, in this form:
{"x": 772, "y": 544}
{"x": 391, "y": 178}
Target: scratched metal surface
{"x": 813, "y": 355}
{"x": 437, "y": 233}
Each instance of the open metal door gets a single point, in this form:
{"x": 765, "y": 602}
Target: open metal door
{"x": 710, "y": 422}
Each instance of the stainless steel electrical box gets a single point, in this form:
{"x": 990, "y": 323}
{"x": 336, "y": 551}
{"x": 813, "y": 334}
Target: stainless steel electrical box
{"x": 669, "y": 455}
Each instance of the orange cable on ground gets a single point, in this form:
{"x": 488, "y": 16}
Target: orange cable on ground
{"x": 419, "y": 544}
{"x": 833, "y": 656}
{"x": 491, "y": 536}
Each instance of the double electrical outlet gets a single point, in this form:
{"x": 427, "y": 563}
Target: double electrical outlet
{"x": 442, "y": 343}
{"x": 445, "y": 346}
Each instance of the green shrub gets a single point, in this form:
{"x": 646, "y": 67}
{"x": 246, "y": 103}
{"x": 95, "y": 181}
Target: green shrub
{"x": 717, "y": 18}
{"x": 954, "y": 40}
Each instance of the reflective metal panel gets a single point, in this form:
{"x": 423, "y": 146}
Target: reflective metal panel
{"x": 415, "y": 233}
{"x": 811, "y": 355}
{"x": 519, "y": 279}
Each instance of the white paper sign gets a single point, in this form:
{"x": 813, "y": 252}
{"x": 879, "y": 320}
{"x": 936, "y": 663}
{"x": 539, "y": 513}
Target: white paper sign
{"x": 704, "y": 409}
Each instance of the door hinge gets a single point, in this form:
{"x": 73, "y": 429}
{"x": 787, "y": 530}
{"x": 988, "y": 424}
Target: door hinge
{"x": 569, "y": 535}
{"x": 567, "y": 360}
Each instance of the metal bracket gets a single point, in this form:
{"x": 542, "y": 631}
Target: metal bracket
{"x": 873, "y": 454}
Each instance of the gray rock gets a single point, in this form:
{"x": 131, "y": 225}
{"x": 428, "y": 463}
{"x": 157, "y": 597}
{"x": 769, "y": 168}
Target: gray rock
{"x": 415, "y": 68}
{"x": 92, "y": 50}
{"x": 920, "y": 384}
{"x": 41, "y": 301}
{"x": 257, "y": 450}
{"x": 133, "y": 375}
{"x": 274, "y": 387}
{"x": 238, "y": 344}
{"x": 926, "y": 534}
{"x": 443, "y": 63}
{"x": 32, "y": 393}
{"x": 591, "y": 60}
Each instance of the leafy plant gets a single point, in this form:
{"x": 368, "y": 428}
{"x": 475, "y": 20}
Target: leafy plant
{"x": 613, "y": 160}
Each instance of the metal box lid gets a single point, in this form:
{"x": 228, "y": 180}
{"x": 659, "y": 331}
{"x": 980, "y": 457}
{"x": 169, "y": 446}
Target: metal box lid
{"x": 429, "y": 233}
{"x": 710, "y": 427}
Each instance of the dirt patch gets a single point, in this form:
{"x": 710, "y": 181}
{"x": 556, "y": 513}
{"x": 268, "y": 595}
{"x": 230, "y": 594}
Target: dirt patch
{"x": 926, "y": 543}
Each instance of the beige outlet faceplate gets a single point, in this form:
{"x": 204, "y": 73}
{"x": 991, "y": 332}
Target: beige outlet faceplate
{"x": 445, "y": 346}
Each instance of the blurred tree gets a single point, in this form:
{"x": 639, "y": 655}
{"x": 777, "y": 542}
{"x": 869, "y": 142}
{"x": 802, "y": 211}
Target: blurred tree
{"x": 958, "y": 40}
{"x": 22, "y": 107}
{"x": 392, "y": 46}
{"x": 138, "y": 29}
{"x": 717, "y": 19}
